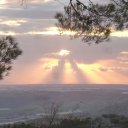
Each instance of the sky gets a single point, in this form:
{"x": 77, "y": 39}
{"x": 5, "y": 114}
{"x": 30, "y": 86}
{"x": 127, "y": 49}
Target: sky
{"x": 51, "y": 58}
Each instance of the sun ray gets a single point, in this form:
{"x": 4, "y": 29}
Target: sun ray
{"x": 90, "y": 71}
{"x": 69, "y": 76}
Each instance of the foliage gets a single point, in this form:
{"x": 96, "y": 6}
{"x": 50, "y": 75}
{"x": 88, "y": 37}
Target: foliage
{"x": 9, "y": 51}
{"x": 104, "y": 121}
{"x": 19, "y": 125}
{"x": 93, "y": 22}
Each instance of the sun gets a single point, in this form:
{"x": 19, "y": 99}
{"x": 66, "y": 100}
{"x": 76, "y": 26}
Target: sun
{"x": 64, "y": 52}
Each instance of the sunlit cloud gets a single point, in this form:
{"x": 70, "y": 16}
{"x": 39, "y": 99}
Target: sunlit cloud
{"x": 6, "y": 4}
{"x": 120, "y": 33}
{"x": 24, "y": 1}
{"x": 50, "y": 31}
{"x": 57, "y": 31}
{"x": 124, "y": 52}
{"x": 99, "y": 73}
{"x": 49, "y": 63}
{"x": 91, "y": 72}
{"x": 38, "y": 1}
{"x": 117, "y": 64}
{"x": 123, "y": 57}
{"x": 13, "y": 23}
{"x": 6, "y": 33}
{"x": 2, "y": 2}
{"x": 61, "y": 53}
{"x": 64, "y": 52}
{"x": 116, "y": 68}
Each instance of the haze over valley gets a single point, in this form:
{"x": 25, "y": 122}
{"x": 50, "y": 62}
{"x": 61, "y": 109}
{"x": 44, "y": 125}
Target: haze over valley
{"x": 31, "y": 101}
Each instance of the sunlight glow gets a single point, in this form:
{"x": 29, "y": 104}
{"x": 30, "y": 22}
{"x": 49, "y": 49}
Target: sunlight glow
{"x": 50, "y": 31}
{"x": 2, "y": 2}
{"x": 49, "y": 64}
{"x": 2, "y": 33}
{"x": 120, "y": 33}
{"x": 68, "y": 71}
{"x": 13, "y": 22}
{"x": 38, "y": 1}
{"x": 57, "y": 67}
{"x": 90, "y": 71}
{"x": 64, "y": 52}
{"x": 58, "y": 31}
{"x": 68, "y": 67}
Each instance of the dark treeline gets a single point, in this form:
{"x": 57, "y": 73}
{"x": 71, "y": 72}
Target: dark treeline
{"x": 104, "y": 121}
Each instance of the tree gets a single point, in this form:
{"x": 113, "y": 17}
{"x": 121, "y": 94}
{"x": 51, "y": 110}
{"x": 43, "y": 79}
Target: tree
{"x": 51, "y": 117}
{"x": 93, "y": 22}
{"x": 9, "y": 51}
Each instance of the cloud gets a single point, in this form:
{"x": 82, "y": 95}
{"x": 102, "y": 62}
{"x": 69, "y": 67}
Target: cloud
{"x": 103, "y": 69}
{"x": 122, "y": 34}
{"x": 51, "y": 31}
{"x": 58, "y": 66}
{"x": 124, "y": 53}
{"x": 120, "y": 63}
{"x": 12, "y": 23}
{"x": 123, "y": 57}
{"x": 54, "y": 67}
{"x": 6, "y": 33}
{"x": 56, "y": 31}
{"x": 64, "y": 66}
{"x": 43, "y": 1}
{"x": 116, "y": 68}
{"x": 41, "y": 40}
{"x": 24, "y": 1}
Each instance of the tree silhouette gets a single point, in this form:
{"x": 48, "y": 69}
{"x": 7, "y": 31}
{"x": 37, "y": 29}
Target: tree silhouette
{"x": 9, "y": 51}
{"x": 93, "y": 22}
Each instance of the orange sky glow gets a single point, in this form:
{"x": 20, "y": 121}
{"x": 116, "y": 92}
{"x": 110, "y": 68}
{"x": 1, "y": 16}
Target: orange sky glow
{"x": 52, "y": 57}
{"x": 60, "y": 67}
